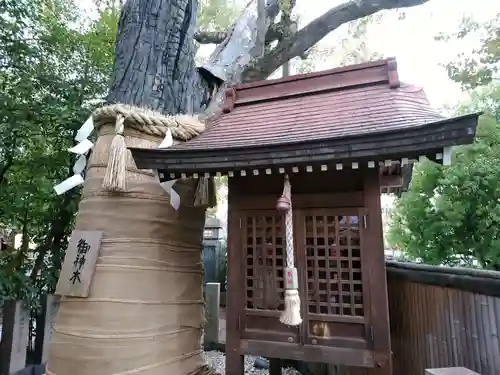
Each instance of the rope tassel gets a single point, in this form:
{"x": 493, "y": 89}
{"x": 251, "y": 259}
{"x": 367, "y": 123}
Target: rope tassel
{"x": 291, "y": 314}
{"x": 115, "y": 179}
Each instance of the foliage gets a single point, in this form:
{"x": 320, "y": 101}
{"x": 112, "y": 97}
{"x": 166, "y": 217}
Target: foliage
{"x": 217, "y": 15}
{"x": 14, "y": 279}
{"x": 53, "y": 61}
{"x": 451, "y": 215}
{"x": 480, "y": 67}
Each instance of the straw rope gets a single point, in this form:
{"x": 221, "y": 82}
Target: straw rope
{"x": 183, "y": 127}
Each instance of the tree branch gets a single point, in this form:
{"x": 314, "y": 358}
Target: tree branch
{"x": 275, "y": 32}
{"x": 5, "y": 167}
{"x": 243, "y": 43}
{"x": 298, "y": 43}
{"x": 210, "y": 37}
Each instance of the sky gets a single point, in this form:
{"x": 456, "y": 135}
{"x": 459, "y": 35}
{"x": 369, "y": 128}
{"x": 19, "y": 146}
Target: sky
{"x": 412, "y": 42}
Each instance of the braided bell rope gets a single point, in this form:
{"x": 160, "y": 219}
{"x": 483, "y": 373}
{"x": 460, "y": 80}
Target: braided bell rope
{"x": 291, "y": 313}
{"x": 290, "y": 261}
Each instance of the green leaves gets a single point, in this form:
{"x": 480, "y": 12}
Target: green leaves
{"x": 53, "y": 60}
{"x": 479, "y": 67}
{"x": 451, "y": 214}
{"x": 217, "y": 15}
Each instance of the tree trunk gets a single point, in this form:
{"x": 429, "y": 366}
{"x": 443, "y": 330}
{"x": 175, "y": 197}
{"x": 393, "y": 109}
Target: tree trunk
{"x": 144, "y": 312}
{"x": 154, "y": 65}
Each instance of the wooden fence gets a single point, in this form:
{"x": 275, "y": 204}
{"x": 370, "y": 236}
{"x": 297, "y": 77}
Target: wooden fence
{"x": 440, "y": 317}
{"x": 444, "y": 317}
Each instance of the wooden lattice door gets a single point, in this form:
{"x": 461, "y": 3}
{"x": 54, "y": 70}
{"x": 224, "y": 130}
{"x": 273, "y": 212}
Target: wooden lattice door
{"x": 336, "y": 311}
{"x": 263, "y": 235}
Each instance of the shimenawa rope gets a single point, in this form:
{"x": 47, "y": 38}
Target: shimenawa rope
{"x": 183, "y": 128}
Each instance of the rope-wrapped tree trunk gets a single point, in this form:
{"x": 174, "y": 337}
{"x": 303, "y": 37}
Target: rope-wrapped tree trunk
{"x": 144, "y": 313}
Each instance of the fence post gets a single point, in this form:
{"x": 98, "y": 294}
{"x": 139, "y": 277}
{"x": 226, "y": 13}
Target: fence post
{"x": 212, "y": 302}
{"x": 45, "y": 322}
{"x": 14, "y": 343}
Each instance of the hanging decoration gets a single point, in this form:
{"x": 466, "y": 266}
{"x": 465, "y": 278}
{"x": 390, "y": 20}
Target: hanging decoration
{"x": 115, "y": 179}
{"x": 81, "y": 149}
{"x": 168, "y": 186}
{"x": 291, "y": 314}
{"x": 181, "y": 127}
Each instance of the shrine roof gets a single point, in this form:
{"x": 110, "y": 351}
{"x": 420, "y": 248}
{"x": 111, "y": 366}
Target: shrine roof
{"x": 354, "y": 100}
{"x": 333, "y": 113}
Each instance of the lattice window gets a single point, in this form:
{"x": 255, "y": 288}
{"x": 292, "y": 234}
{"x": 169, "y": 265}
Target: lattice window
{"x": 333, "y": 257}
{"x": 265, "y": 258}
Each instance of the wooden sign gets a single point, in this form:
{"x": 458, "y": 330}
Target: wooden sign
{"x": 79, "y": 264}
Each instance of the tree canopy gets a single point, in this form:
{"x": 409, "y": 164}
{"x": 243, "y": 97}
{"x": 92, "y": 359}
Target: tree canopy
{"x": 451, "y": 214}
{"x": 54, "y": 63}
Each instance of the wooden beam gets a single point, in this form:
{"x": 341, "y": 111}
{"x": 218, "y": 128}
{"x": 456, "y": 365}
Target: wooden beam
{"x": 374, "y": 256}
{"x": 352, "y": 357}
{"x": 391, "y": 181}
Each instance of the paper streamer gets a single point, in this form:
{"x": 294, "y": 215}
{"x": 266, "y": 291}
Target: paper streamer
{"x": 69, "y": 184}
{"x": 167, "y": 141}
{"x": 80, "y": 164}
{"x": 81, "y": 149}
{"x": 86, "y": 129}
{"x": 175, "y": 199}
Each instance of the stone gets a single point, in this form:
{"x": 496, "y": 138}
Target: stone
{"x": 450, "y": 371}
{"x": 212, "y": 303}
{"x": 45, "y": 323}
{"x": 14, "y": 342}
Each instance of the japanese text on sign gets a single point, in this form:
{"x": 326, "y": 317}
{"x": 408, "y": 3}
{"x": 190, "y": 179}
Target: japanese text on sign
{"x": 82, "y": 248}
{"x": 79, "y": 263}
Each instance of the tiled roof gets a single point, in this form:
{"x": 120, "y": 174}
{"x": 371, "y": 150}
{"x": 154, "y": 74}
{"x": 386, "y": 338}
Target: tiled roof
{"x": 356, "y": 100}
{"x": 350, "y": 115}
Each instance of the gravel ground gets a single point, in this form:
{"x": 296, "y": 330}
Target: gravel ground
{"x": 218, "y": 361}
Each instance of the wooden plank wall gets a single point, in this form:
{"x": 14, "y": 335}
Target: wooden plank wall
{"x": 444, "y": 318}
{"x": 439, "y": 318}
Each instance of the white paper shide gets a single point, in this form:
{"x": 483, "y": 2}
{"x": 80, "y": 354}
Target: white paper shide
{"x": 175, "y": 199}
{"x": 81, "y": 149}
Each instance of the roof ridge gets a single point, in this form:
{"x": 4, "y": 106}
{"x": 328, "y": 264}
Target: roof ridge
{"x": 380, "y": 72}
{"x": 390, "y": 62}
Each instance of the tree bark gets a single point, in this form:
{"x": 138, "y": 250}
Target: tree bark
{"x": 154, "y": 64}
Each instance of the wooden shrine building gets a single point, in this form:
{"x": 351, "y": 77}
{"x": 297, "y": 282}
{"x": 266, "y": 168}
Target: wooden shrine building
{"x": 342, "y": 136}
